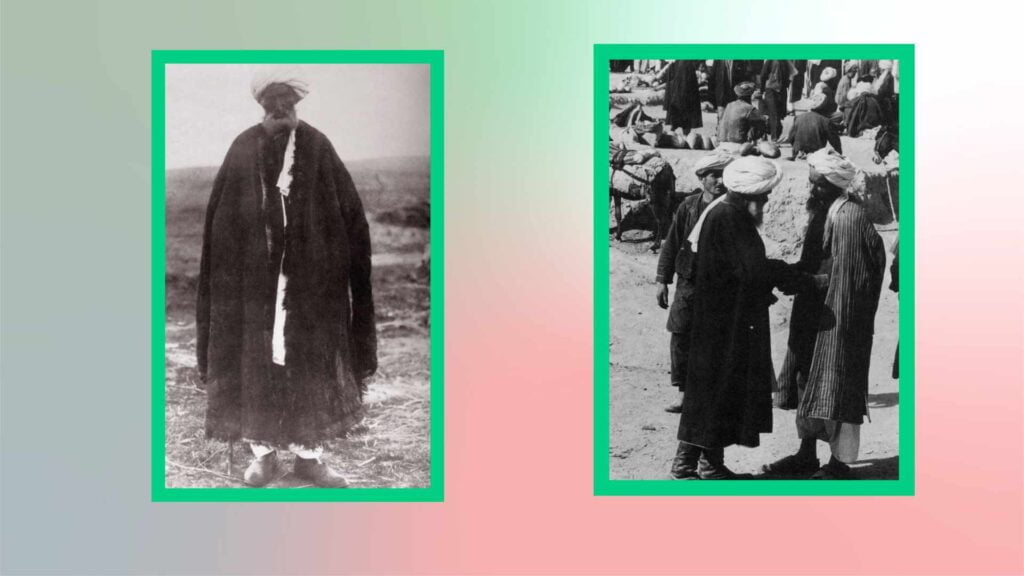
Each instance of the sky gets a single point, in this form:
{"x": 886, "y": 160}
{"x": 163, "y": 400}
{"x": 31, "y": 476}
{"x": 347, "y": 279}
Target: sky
{"x": 366, "y": 110}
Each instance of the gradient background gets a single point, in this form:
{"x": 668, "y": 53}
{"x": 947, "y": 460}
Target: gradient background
{"x": 75, "y": 292}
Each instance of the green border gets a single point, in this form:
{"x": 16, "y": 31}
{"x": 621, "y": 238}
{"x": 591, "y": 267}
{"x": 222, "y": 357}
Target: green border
{"x": 603, "y": 484}
{"x": 433, "y": 493}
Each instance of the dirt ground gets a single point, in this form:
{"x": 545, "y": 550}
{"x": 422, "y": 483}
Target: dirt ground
{"x": 391, "y": 447}
{"x": 642, "y": 434}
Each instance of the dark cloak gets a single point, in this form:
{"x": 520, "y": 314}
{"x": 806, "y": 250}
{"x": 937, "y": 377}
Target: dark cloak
{"x": 682, "y": 95}
{"x": 330, "y": 332}
{"x": 864, "y": 113}
{"x": 812, "y": 131}
{"x": 720, "y": 78}
{"x": 806, "y": 313}
{"x": 728, "y": 393}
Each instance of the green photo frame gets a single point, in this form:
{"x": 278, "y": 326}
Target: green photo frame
{"x": 604, "y": 485}
{"x": 434, "y": 491}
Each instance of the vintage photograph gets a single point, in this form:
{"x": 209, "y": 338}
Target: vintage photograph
{"x": 297, "y": 209}
{"x": 753, "y": 276}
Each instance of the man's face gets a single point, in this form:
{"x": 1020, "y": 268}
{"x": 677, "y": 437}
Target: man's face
{"x": 712, "y": 184}
{"x": 821, "y": 188}
{"x": 278, "y": 102}
{"x": 755, "y": 208}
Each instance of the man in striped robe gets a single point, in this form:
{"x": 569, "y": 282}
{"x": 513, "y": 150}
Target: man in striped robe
{"x": 825, "y": 374}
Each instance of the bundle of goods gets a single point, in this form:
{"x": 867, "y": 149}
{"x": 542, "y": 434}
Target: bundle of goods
{"x": 635, "y": 172}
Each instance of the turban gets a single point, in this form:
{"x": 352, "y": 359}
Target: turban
{"x": 885, "y": 64}
{"x": 290, "y": 76}
{"x": 716, "y": 160}
{"x": 744, "y": 89}
{"x": 818, "y": 100}
{"x": 833, "y": 166}
{"x": 828, "y": 74}
{"x": 752, "y": 175}
{"x": 851, "y": 65}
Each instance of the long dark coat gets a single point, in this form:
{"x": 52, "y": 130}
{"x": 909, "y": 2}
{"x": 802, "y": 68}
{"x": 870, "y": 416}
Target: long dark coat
{"x": 728, "y": 393}
{"x": 721, "y": 83}
{"x": 806, "y": 314}
{"x": 682, "y": 95}
{"x": 676, "y": 260}
{"x": 330, "y": 332}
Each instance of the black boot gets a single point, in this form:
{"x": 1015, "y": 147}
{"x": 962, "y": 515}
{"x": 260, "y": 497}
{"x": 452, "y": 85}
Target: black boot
{"x": 684, "y": 465}
{"x": 712, "y": 465}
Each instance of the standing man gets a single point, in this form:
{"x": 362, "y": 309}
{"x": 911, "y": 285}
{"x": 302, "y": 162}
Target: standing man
{"x": 676, "y": 259}
{"x": 728, "y": 387}
{"x": 825, "y": 374}
{"x": 775, "y": 75}
{"x": 845, "y": 84}
{"x": 682, "y": 96}
{"x": 285, "y": 317}
{"x": 721, "y": 84}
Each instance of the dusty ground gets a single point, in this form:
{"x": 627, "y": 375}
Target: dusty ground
{"x": 391, "y": 448}
{"x": 642, "y": 434}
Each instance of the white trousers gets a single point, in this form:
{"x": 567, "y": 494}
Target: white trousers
{"x": 261, "y": 450}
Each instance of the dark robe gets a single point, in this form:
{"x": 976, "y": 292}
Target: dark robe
{"x": 864, "y": 113}
{"x": 682, "y": 95}
{"x": 806, "y": 313}
{"x": 728, "y": 393}
{"x": 720, "y": 78}
{"x": 837, "y": 380}
{"x": 886, "y": 94}
{"x": 676, "y": 259}
{"x": 894, "y": 285}
{"x": 330, "y": 331}
{"x": 775, "y": 76}
{"x": 796, "y": 88}
{"x": 812, "y": 131}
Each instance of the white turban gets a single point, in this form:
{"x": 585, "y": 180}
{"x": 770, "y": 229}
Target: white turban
{"x": 752, "y": 175}
{"x": 828, "y": 74}
{"x": 885, "y": 64}
{"x": 291, "y": 76}
{"x": 715, "y": 160}
{"x": 833, "y": 166}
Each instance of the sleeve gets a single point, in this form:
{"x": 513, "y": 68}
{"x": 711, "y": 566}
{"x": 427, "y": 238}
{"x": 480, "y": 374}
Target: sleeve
{"x": 832, "y": 136}
{"x": 670, "y": 247}
{"x": 364, "y": 324}
{"x": 203, "y": 289}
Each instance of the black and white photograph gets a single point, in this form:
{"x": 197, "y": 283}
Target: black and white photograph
{"x": 753, "y": 290}
{"x": 297, "y": 276}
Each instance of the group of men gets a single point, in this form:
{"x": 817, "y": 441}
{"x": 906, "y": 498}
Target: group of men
{"x": 752, "y": 98}
{"x": 720, "y": 345}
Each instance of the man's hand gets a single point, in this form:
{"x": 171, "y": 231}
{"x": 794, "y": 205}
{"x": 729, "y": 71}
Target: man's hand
{"x": 821, "y": 281}
{"x": 663, "y": 296}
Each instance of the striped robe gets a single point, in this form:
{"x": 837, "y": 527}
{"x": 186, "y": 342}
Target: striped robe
{"x": 837, "y": 381}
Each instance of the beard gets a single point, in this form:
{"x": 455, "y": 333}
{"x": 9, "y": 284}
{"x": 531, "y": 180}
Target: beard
{"x": 276, "y": 123}
{"x": 820, "y": 199}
